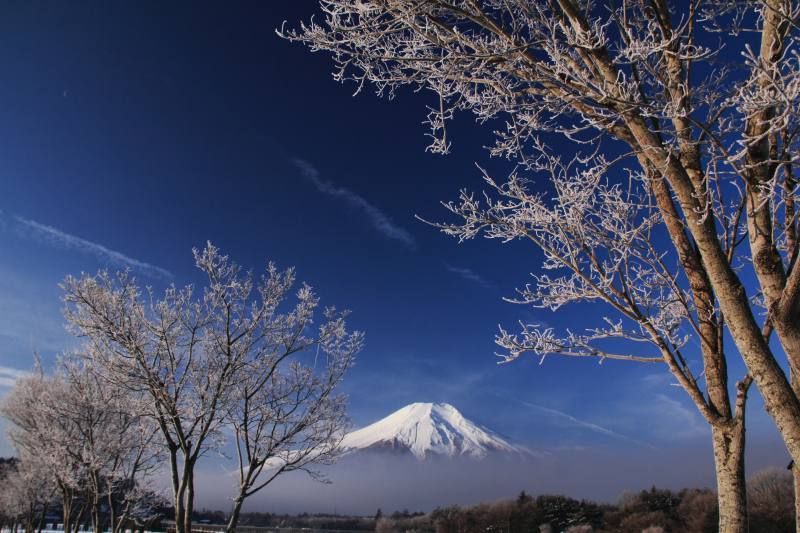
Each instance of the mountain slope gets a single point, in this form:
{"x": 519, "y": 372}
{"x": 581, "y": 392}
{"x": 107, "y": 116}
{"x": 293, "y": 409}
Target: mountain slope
{"x": 428, "y": 428}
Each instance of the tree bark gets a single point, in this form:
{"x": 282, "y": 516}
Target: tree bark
{"x": 729, "y": 442}
{"x": 187, "y": 528}
{"x": 96, "y": 526}
{"x": 42, "y": 518}
{"x": 177, "y": 490}
{"x": 796, "y": 479}
{"x": 112, "y": 512}
{"x": 233, "y": 521}
{"x": 780, "y": 400}
{"x": 66, "y": 507}
{"x": 179, "y": 513}
{"x": 77, "y": 525}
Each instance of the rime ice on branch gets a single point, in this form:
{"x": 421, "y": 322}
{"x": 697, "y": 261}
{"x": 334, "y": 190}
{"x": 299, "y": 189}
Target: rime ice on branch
{"x": 234, "y": 354}
{"x": 709, "y": 144}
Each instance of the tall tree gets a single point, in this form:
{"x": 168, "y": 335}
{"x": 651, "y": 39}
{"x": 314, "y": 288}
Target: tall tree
{"x": 190, "y": 355}
{"x": 711, "y": 145}
{"x": 286, "y": 414}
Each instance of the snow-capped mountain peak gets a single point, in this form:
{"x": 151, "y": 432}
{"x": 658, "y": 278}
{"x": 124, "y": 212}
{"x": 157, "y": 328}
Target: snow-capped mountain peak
{"x": 428, "y": 428}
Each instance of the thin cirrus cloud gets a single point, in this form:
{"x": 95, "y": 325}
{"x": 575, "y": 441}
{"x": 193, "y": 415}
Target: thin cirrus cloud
{"x": 30, "y": 229}
{"x": 377, "y": 218}
{"x": 582, "y": 423}
{"x": 469, "y": 275}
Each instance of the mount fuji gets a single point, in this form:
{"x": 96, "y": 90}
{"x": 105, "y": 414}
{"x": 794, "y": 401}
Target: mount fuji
{"x": 429, "y": 429}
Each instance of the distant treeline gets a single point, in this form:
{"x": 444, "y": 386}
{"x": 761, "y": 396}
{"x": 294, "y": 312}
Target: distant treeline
{"x": 770, "y": 496}
{"x": 771, "y": 505}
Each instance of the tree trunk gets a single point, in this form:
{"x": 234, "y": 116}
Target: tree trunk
{"x": 97, "y": 526}
{"x": 187, "y": 528}
{"x": 29, "y": 518}
{"x": 177, "y": 489}
{"x": 729, "y": 443}
{"x": 42, "y": 518}
{"x": 112, "y": 512}
{"x": 780, "y": 400}
{"x": 66, "y": 506}
{"x": 796, "y": 476}
{"x": 233, "y": 522}
{"x": 179, "y": 513}
{"x": 78, "y": 518}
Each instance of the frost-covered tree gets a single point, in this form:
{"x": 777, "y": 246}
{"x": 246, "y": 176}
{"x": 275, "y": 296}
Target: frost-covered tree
{"x": 286, "y": 413}
{"x": 85, "y": 434}
{"x": 190, "y": 355}
{"x": 26, "y": 492}
{"x": 117, "y": 446}
{"x": 697, "y": 100}
{"x": 42, "y": 437}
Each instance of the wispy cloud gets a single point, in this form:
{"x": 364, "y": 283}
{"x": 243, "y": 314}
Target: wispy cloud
{"x": 682, "y": 421}
{"x": 377, "y": 218}
{"x": 469, "y": 275}
{"x": 31, "y": 229}
{"x": 583, "y": 423}
{"x": 570, "y": 418}
{"x": 9, "y": 376}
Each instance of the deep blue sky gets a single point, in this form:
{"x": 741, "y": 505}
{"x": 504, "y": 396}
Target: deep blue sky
{"x": 149, "y": 128}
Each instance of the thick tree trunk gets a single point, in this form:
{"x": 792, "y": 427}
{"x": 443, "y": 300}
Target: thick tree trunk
{"x": 780, "y": 400}
{"x": 796, "y": 477}
{"x": 794, "y": 465}
{"x": 179, "y": 513}
{"x": 729, "y": 444}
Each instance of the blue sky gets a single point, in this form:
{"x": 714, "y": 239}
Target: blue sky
{"x": 130, "y": 133}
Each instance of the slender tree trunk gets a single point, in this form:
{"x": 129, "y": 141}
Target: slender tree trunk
{"x": 187, "y": 528}
{"x": 29, "y": 518}
{"x": 729, "y": 442}
{"x": 66, "y": 506}
{"x": 97, "y": 525}
{"x": 112, "y": 512}
{"x": 177, "y": 490}
{"x": 42, "y": 518}
{"x": 78, "y": 518}
{"x": 96, "y": 516}
{"x": 233, "y": 521}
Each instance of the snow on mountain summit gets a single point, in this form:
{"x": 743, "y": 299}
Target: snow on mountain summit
{"x": 428, "y": 428}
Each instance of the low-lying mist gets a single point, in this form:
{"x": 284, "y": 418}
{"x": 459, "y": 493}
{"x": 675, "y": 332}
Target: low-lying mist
{"x": 363, "y": 482}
